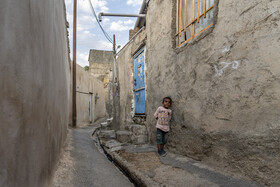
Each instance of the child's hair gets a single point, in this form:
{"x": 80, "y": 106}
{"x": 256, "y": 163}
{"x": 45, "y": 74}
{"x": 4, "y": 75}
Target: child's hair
{"x": 169, "y": 99}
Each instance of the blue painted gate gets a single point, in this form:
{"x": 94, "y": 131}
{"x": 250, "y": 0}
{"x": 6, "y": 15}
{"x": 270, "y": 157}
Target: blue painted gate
{"x": 139, "y": 81}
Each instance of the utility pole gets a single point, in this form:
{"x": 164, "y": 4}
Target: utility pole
{"x": 115, "y": 66}
{"x": 114, "y": 44}
{"x": 74, "y": 108}
{"x": 115, "y": 88}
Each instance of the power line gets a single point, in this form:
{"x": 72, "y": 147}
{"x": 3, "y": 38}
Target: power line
{"x": 104, "y": 32}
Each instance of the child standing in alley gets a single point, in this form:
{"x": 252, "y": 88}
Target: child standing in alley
{"x": 163, "y": 116}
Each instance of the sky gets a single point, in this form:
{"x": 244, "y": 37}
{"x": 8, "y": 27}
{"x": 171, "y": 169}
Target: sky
{"x": 89, "y": 34}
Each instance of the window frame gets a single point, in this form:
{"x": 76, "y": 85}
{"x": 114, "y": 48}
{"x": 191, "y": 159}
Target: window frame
{"x": 195, "y": 18}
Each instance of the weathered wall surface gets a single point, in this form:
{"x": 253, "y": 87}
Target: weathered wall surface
{"x": 34, "y": 90}
{"x": 225, "y": 86}
{"x": 101, "y": 67}
{"x": 99, "y": 109}
{"x": 87, "y": 89}
{"x": 125, "y": 77}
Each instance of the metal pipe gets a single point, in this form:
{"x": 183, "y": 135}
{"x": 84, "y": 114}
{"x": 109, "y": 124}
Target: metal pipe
{"x": 115, "y": 66}
{"x": 83, "y": 92}
{"x": 119, "y": 15}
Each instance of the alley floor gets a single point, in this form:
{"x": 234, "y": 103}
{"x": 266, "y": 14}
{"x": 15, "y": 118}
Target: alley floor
{"x": 83, "y": 164}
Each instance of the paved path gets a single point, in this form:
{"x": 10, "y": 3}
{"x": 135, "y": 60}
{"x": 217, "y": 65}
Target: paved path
{"x": 83, "y": 164}
{"x": 147, "y": 168}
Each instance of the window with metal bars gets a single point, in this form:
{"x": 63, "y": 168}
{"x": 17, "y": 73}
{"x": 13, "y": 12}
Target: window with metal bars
{"x": 193, "y": 17}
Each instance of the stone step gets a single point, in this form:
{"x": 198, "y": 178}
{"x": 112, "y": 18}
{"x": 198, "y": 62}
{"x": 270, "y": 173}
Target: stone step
{"x": 139, "y": 139}
{"x": 104, "y": 125}
{"x": 136, "y": 129}
{"x": 113, "y": 145}
{"x": 108, "y": 134}
{"x": 139, "y": 133}
{"x": 124, "y": 136}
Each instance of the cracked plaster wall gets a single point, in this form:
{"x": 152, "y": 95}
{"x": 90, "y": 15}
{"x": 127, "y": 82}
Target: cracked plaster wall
{"x": 225, "y": 86}
{"x": 125, "y": 77}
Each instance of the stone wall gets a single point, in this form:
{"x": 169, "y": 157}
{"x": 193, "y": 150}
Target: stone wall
{"x": 225, "y": 86}
{"x": 90, "y": 94}
{"x": 34, "y": 90}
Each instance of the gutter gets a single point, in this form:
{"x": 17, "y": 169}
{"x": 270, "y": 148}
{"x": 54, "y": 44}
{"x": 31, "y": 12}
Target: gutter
{"x": 143, "y": 6}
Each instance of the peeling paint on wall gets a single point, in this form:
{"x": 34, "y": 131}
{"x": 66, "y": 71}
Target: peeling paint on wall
{"x": 227, "y": 49}
{"x": 234, "y": 65}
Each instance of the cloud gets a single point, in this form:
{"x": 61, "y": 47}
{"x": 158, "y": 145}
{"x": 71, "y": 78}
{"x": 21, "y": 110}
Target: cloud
{"x": 105, "y": 21}
{"x": 134, "y": 2}
{"x": 121, "y": 25}
{"x": 82, "y": 59}
{"x": 98, "y": 5}
{"x": 105, "y": 45}
{"x": 84, "y": 14}
{"x": 86, "y": 24}
{"x": 85, "y": 36}
{"x": 128, "y": 22}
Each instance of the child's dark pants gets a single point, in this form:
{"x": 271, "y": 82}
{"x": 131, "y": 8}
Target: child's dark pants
{"x": 161, "y": 137}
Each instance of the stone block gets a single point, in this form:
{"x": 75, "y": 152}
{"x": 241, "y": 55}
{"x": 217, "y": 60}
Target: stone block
{"x": 139, "y": 139}
{"x": 109, "y": 120}
{"x": 124, "y": 136}
{"x": 108, "y": 134}
{"x": 113, "y": 144}
{"x": 104, "y": 125}
{"x": 136, "y": 129}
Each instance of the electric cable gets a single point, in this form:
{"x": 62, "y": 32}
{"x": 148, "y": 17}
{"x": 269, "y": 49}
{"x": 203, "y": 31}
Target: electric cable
{"x": 104, "y": 32}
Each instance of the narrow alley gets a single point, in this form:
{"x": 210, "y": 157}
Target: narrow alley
{"x": 83, "y": 164}
{"x": 145, "y": 93}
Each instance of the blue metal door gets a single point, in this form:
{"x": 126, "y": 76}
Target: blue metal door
{"x": 139, "y": 81}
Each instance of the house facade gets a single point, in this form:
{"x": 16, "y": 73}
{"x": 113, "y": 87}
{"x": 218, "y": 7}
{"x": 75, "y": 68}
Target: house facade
{"x": 218, "y": 61}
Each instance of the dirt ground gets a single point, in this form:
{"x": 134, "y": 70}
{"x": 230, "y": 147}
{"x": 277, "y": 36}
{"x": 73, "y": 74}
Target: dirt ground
{"x": 168, "y": 176}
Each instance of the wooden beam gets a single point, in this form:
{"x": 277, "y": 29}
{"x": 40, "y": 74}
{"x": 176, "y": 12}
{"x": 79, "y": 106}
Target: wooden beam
{"x": 198, "y": 10}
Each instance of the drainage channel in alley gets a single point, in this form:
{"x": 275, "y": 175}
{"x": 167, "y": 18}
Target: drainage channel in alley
{"x": 109, "y": 157}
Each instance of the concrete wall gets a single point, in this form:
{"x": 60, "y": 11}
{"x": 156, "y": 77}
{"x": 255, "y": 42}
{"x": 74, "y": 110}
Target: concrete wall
{"x": 34, "y": 90}
{"x": 87, "y": 89}
{"x": 224, "y": 84}
{"x": 125, "y": 77}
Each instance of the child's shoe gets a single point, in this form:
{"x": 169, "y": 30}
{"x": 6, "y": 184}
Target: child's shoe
{"x": 162, "y": 153}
